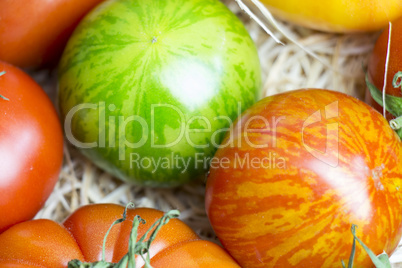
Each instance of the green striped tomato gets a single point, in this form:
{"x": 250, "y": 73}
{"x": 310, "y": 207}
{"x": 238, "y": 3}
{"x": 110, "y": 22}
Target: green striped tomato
{"x": 300, "y": 168}
{"x": 147, "y": 88}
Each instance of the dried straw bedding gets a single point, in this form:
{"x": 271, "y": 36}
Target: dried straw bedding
{"x": 339, "y": 65}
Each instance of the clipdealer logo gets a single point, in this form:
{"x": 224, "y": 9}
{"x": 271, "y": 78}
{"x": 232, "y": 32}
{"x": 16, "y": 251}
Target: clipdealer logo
{"x": 201, "y": 161}
{"x": 115, "y": 137}
{"x": 330, "y": 155}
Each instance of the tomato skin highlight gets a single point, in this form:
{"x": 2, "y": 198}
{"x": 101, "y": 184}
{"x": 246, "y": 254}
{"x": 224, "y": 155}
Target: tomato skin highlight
{"x": 338, "y": 15}
{"x": 31, "y": 147}
{"x": 35, "y": 32}
{"x": 300, "y": 214}
{"x": 81, "y": 238}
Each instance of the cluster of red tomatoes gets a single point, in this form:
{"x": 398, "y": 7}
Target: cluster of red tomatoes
{"x": 304, "y": 166}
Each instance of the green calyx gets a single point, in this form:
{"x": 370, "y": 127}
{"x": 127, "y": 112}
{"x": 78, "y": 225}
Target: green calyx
{"x": 141, "y": 247}
{"x": 1, "y": 96}
{"x": 380, "y": 261}
{"x": 101, "y": 264}
{"x": 392, "y": 104}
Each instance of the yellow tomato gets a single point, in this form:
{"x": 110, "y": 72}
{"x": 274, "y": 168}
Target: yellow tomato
{"x": 337, "y": 15}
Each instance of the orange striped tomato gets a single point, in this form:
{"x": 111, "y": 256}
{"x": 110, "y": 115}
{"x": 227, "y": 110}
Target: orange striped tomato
{"x": 296, "y": 171}
{"x": 338, "y": 15}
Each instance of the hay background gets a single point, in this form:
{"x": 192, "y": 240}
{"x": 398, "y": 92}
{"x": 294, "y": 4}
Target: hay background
{"x": 343, "y": 59}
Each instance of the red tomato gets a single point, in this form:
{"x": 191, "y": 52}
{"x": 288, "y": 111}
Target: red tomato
{"x": 34, "y": 32}
{"x": 329, "y": 161}
{"x": 47, "y": 244}
{"x": 31, "y": 147}
{"x": 376, "y": 65}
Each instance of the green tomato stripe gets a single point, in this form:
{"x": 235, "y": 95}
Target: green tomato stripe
{"x": 194, "y": 55}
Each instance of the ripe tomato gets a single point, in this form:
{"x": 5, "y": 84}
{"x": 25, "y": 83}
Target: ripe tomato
{"x": 31, "y": 147}
{"x": 376, "y": 65}
{"x": 48, "y": 244}
{"x": 338, "y": 15}
{"x": 35, "y": 31}
{"x": 329, "y": 161}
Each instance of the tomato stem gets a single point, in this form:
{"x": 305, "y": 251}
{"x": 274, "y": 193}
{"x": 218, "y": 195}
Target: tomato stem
{"x": 140, "y": 247}
{"x": 396, "y": 123}
{"x": 79, "y": 264}
{"x": 397, "y": 81}
{"x": 380, "y": 261}
{"x": 113, "y": 224}
{"x": 1, "y": 96}
{"x": 394, "y": 103}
